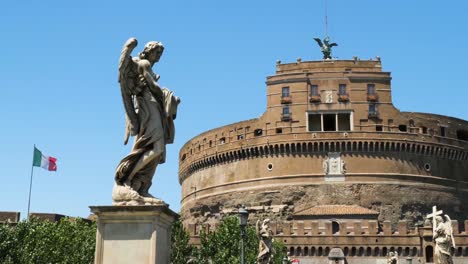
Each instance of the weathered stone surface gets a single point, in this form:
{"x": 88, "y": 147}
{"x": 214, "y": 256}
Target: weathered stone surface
{"x": 133, "y": 234}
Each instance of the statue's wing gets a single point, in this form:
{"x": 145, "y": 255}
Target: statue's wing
{"x": 127, "y": 69}
{"x": 448, "y": 226}
{"x": 319, "y": 42}
{"x": 333, "y": 45}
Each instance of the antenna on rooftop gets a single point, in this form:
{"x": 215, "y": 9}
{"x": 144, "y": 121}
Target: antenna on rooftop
{"x": 326, "y": 18}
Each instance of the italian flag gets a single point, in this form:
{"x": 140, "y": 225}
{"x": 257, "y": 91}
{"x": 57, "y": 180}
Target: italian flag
{"x": 46, "y": 162}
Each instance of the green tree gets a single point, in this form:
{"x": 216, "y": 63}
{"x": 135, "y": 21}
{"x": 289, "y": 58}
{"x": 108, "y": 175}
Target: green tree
{"x": 37, "y": 241}
{"x": 222, "y": 246}
{"x": 181, "y": 251}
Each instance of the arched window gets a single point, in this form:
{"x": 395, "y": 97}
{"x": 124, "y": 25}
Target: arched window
{"x": 320, "y": 251}
{"x": 312, "y": 251}
{"x": 299, "y": 251}
{"x": 376, "y": 252}
{"x": 361, "y": 251}
{"x": 384, "y": 252}
{"x": 429, "y": 254}
{"x": 346, "y": 251}
{"x": 306, "y": 251}
{"x": 369, "y": 251}
{"x": 291, "y": 251}
{"x": 335, "y": 227}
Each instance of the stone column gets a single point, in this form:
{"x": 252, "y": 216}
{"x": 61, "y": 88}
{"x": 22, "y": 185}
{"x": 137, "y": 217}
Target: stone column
{"x": 133, "y": 234}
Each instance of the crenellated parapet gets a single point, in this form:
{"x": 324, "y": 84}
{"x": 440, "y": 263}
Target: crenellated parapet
{"x": 346, "y": 228}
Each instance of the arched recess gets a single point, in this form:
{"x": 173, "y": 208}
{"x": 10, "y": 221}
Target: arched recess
{"x": 429, "y": 254}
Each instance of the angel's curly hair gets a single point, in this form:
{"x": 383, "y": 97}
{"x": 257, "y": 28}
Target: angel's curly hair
{"x": 149, "y": 47}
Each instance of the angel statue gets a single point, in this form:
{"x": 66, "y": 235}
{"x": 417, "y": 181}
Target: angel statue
{"x": 325, "y": 47}
{"x": 265, "y": 245}
{"x": 392, "y": 257}
{"x": 443, "y": 236}
{"x": 150, "y": 113}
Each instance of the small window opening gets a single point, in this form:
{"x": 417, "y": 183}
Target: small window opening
{"x": 240, "y": 137}
{"x": 424, "y": 130}
{"x": 279, "y": 130}
{"x": 371, "y": 89}
{"x": 372, "y": 109}
{"x": 222, "y": 140}
{"x": 379, "y": 128}
{"x": 342, "y": 89}
{"x": 314, "y": 90}
{"x": 285, "y": 92}
{"x": 183, "y": 157}
{"x": 258, "y": 132}
{"x": 286, "y": 110}
{"x": 211, "y": 143}
{"x": 402, "y": 128}
{"x": 329, "y": 122}
{"x": 335, "y": 227}
{"x": 442, "y": 131}
{"x": 462, "y": 134}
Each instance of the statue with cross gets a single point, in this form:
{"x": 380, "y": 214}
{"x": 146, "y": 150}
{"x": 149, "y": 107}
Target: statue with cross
{"x": 442, "y": 233}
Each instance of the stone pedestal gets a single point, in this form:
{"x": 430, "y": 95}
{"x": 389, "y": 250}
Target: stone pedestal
{"x": 133, "y": 234}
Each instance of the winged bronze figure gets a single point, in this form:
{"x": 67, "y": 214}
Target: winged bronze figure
{"x": 150, "y": 112}
{"x": 325, "y": 47}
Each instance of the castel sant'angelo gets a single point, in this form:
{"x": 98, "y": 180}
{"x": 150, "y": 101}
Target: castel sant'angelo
{"x": 333, "y": 163}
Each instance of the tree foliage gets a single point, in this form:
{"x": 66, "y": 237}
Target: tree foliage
{"x": 181, "y": 250}
{"x": 221, "y": 246}
{"x": 39, "y": 241}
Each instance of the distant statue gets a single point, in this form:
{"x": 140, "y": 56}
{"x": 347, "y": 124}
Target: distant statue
{"x": 343, "y": 167}
{"x": 443, "y": 236}
{"x": 150, "y": 113}
{"x": 325, "y": 166}
{"x": 392, "y": 257}
{"x": 265, "y": 245}
{"x": 326, "y": 47}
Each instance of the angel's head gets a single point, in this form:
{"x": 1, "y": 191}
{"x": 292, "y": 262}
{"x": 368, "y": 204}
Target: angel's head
{"x": 439, "y": 219}
{"x": 152, "y": 51}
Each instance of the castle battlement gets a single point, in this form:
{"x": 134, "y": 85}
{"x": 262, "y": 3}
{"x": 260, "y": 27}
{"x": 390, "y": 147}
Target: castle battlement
{"x": 349, "y": 228}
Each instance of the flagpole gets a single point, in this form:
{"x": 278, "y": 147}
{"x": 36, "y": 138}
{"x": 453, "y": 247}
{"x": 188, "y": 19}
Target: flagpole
{"x": 30, "y": 182}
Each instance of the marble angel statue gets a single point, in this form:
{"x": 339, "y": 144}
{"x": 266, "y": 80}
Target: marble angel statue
{"x": 150, "y": 113}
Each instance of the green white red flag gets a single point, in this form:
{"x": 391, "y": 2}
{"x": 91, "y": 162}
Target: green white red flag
{"x": 46, "y": 162}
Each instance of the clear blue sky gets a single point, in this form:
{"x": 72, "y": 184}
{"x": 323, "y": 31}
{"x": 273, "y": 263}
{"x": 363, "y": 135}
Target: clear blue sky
{"x": 59, "y": 85}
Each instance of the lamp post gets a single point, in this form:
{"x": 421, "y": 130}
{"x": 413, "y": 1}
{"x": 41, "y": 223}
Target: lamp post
{"x": 243, "y": 216}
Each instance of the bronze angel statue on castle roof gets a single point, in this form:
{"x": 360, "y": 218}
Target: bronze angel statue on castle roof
{"x": 150, "y": 113}
{"x": 326, "y": 47}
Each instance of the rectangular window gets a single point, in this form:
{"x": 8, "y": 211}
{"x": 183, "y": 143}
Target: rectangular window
{"x": 315, "y": 122}
{"x": 378, "y": 128}
{"x": 338, "y": 121}
{"x": 372, "y": 109}
{"x": 329, "y": 122}
{"x": 342, "y": 89}
{"x": 286, "y": 111}
{"x": 285, "y": 92}
{"x": 442, "y": 131}
{"x": 344, "y": 123}
{"x": 314, "y": 90}
{"x": 371, "y": 89}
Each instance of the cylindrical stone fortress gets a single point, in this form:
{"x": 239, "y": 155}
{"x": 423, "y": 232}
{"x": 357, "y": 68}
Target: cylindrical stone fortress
{"x": 330, "y": 135}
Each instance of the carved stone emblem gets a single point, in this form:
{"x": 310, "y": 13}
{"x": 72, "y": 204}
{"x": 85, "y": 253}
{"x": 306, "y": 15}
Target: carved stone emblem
{"x": 328, "y": 97}
{"x": 334, "y": 165}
